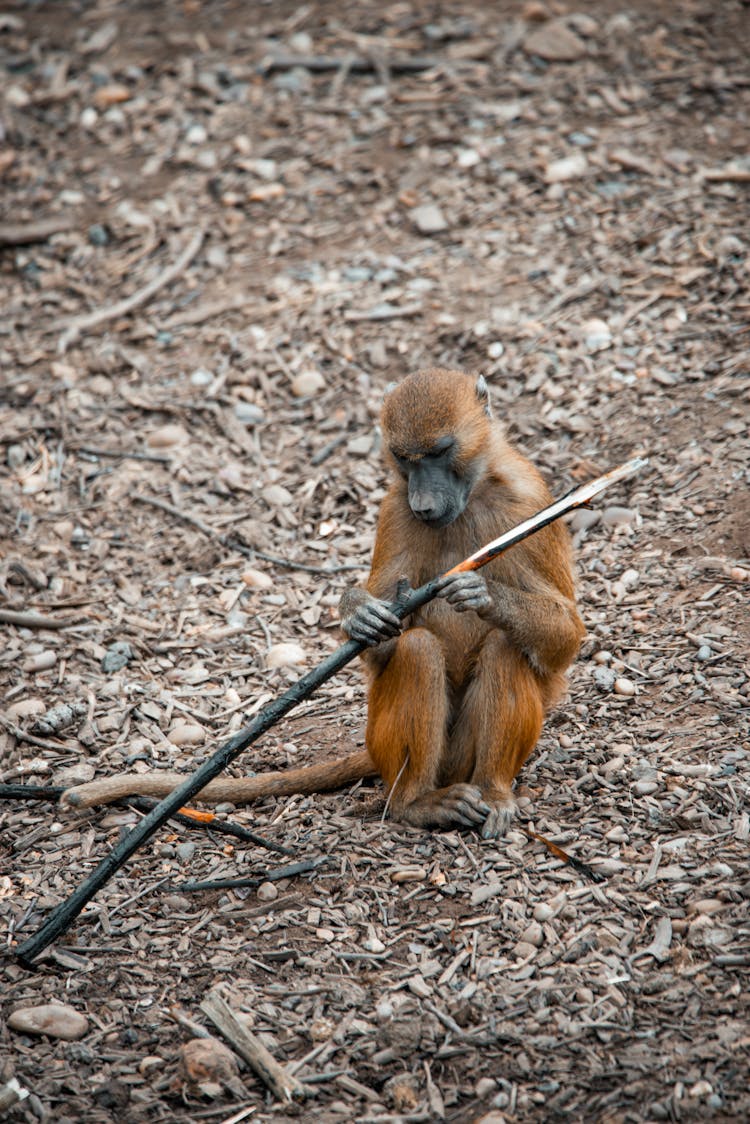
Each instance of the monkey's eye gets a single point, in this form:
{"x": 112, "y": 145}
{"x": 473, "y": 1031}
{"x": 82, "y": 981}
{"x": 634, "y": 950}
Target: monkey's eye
{"x": 442, "y": 450}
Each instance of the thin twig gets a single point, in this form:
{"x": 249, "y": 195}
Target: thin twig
{"x": 23, "y": 234}
{"x": 292, "y": 870}
{"x": 188, "y": 817}
{"x": 28, "y": 619}
{"x": 230, "y": 542}
{"x": 251, "y": 1049}
{"x": 120, "y": 454}
{"x": 79, "y": 324}
{"x": 324, "y": 64}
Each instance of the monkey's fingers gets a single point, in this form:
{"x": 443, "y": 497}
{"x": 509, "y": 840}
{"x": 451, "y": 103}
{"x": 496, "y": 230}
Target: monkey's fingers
{"x": 373, "y": 623}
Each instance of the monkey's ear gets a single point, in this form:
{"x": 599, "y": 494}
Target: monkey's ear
{"x": 483, "y": 394}
{"x": 391, "y": 386}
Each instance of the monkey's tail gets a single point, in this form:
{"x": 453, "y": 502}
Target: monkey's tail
{"x": 236, "y": 790}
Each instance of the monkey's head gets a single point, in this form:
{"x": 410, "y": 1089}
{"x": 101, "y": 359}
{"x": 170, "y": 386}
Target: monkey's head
{"x": 436, "y": 427}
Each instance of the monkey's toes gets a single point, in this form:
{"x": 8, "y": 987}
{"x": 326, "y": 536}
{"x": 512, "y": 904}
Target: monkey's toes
{"x": 499, "y": 819}
{"x": 464, "y": 805}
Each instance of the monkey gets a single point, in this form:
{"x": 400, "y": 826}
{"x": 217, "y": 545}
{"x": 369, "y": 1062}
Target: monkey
{"x": 458, "y": 692}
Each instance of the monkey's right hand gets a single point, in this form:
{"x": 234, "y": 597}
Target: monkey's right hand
{"x": 371, "y": 622}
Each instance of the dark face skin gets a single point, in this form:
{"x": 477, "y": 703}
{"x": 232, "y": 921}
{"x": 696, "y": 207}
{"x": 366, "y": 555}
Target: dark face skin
{"x": 437, "y": 493}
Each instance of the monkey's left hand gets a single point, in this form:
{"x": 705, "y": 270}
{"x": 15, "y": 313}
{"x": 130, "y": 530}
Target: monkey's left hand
{"x": 465, "y": 591}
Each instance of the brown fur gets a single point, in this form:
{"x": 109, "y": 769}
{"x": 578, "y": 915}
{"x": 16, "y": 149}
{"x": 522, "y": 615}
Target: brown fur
{"x": 456, "y": 702}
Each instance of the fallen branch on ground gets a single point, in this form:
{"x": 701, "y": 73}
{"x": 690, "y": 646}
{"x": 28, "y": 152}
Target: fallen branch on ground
{"x": 251, "y": 1049}
{"x": 187, "y": 816}
{"x": 79, "y": 324}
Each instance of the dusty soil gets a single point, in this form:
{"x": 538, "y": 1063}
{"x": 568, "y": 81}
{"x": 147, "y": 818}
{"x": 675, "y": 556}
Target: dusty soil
{"x": 410, "y": 976}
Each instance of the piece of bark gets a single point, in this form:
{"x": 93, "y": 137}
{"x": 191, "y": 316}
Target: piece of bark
{"x": 251, "y": 1049}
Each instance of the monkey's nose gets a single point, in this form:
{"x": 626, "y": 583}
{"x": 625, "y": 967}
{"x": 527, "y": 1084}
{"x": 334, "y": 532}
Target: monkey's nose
{"x": 424, "y": 506}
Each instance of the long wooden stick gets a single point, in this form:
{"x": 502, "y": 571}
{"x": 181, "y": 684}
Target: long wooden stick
{"x": 64, "y": 914}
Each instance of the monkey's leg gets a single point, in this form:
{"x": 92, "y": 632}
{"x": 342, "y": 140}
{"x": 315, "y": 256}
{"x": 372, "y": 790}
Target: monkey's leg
{"x": 502, "y": 714}
{"x": 407, "y": 718}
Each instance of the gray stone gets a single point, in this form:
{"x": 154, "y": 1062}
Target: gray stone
{"x": 185, "y": 851}
{"x": 604, "y": 677}
{"x": 248, "y": 414}
{"x": 117, "y": 656}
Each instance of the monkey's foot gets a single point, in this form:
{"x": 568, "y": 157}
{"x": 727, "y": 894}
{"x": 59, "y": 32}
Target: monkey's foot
{"x": 499, "y": 818}
{"x": 458, "y": 805}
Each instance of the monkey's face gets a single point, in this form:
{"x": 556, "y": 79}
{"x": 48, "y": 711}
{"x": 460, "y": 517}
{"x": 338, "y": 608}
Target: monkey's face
{"x": 437, "y": 492}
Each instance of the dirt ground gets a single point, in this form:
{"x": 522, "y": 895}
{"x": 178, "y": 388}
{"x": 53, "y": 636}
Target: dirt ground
{"x": 589, "y": 255}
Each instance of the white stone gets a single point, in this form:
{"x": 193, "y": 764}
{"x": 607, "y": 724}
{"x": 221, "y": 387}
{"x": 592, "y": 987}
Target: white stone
{"x": 186, "y": 733}
{"x": 54, "y": 1019}
{"x": 624, "y": 686}
{"x": 285, "y": 655}
{"x": 256, "y": 579}
{"x": 167, "y": 436}
{"x": 567, "y": 168}
{"x": 307, "y": 383}
{"x": 429, "y": 219}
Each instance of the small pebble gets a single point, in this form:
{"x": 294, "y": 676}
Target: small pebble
{"x": 373, "y": 944}
{"x": 98, "y": 234}
{"x": 25, "y": 708}
{"x": 485, "y": 1087}
{"x": 567, "y": 168}
{"x": 645, "y": 788}
{"x": 118, "y": 655}
{"x": 42, "y": 661}
{"x": 597, "y": 336}
{"x": 543, "y": 912}
{"x": 533, "y": 934}
{"x": 267, "y": 892}
{"x": 186, "y": 733}
{"x": 54, "y": 1019}
{"x": 554, "y": 42}
{"x": 277, "y": 495}
{"x": 704, "y": 653}
{"x": 88, "y": 118}
{"x": 248, "y": 414}
{"x": 523, "y": 950}
{"x": 201, "y": 377}
{"x": 185, "y": 851}
{"x": 256, "y": 579}
{"x": 604, "y": 677}
{"x": 196, "y": 135}
{"x": 428, "y": 219}
{"x": 80, "y": 773}
{"x": 602, "y": 656}
{"x": 307, "y": 383}
{"x": 285, "y": 655}
{"x": 409, "y": 874}
{"x": 624, "y": 686}
{"x": 701, "y": 1089}
{"x": 326, "y": 935}
{"x": 167, "y": 436}
{"x": 360, "y": 446}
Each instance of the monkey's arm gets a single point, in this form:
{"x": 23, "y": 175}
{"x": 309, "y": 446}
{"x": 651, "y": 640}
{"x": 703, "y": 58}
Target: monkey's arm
{"x": 541, "y": 622}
